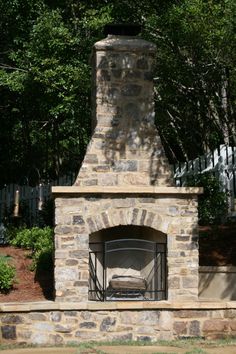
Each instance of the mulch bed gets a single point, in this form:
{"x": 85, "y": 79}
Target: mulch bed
{"x": 29, "y": 285}
{"x": 217, "y": 247}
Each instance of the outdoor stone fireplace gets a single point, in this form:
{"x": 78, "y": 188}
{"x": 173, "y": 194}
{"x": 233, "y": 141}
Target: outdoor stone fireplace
{"x": 126, "y": 239}
{"x": 123, "y": 231}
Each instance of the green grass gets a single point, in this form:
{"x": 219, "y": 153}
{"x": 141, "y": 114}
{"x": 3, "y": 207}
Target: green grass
{"x": 191, "y": 345}
{"x": 5, "y": 257}
{"x": 196, "y": 351}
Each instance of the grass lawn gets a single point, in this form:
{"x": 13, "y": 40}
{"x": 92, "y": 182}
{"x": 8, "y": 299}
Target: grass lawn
{"x": 188, "y": 346}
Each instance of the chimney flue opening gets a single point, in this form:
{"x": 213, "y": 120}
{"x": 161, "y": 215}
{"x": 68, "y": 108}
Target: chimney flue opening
{"x": 122, "y": 29}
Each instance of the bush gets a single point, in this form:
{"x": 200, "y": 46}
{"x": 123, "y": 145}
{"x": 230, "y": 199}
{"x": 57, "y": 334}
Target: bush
{"x": 40, "y": 241}
{"x": 212, "y": 204}
{"x": 7, "y": 275}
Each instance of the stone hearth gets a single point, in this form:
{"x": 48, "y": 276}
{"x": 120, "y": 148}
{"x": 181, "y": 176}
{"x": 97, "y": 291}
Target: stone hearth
{"x": 125, "y": 183}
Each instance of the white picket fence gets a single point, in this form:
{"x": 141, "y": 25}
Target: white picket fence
{"x": 221, "y": 162}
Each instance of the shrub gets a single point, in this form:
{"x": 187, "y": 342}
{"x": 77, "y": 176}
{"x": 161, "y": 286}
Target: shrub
{"x": 40, "y": 241}
{"x": 7, "y": 275}
{"x": 212, "y": 205}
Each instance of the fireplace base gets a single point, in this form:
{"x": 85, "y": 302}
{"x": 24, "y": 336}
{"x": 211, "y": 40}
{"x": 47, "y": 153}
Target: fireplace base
{"x": 83, "y": 212}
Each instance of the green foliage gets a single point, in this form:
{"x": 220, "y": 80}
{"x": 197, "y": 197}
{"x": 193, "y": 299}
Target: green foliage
{"x": 212, "y": 205}
{"x": 195, "y": 75}
{"x": 45, "y": 77}
{"x": 11, "y": 232}
{"x": 40, "y": 241}
{"x": 7, "y": 275}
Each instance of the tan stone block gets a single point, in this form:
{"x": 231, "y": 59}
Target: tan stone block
{"x": 190, "y": 282}
{"x": 215, "y": 326}
{"x": 219, "y": 314}
{"x": 137, "y": 179}
{"x": 63, "y": 219}
{"x": 124, "y": 328}
{"x": 190, "y": 313}
{"x": 173, "y": 282}
{"x": 61, "y": 254}
{"x": 129, "y": 317}
{"x": 166, "y": 320}
{"x": 183, "y": 271}
{"x": 180, "y": 327}
{"x": 232, "y": 325}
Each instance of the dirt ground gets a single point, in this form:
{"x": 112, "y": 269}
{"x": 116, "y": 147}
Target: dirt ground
{"x": 201, "y": 349}
{"x": 29, "y": 285}
{"x": 217, "y": 246}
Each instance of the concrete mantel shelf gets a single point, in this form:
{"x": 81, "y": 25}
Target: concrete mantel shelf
{"x": 140, "y": 190}
{"x": 114, "y": 306}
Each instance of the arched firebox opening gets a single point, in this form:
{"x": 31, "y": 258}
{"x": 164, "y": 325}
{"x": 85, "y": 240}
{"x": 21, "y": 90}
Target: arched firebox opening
{"x": 127, "y": 263}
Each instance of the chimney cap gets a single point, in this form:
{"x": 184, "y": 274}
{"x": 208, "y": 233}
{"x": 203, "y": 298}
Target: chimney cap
{"x": 122, "y": 29}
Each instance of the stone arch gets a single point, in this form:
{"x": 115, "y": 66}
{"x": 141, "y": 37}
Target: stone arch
{"x": 129, "y": 216}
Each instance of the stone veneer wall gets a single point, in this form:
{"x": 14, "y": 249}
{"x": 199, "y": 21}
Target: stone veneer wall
{"x": 45, "y": 324}
{"x": 125, "y": 152}
{"x": 78, "y": 217}
{"x": 125, "y": 148}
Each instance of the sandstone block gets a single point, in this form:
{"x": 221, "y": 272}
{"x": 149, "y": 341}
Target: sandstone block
{"x": 108, "y": 324}
{"x": 43, "y": 326}
{"x": 67, "y": 274}
{"x": 122, "y": 337}
{"x": 8, "y": 332}
{"x": 12, "y": 319}
{"x": 149, "y": 317}
{"x": 78, "y": 220}
{"x": 55, "y": 316}
{"x": 37, "y": 316}
{"x": 180, "y": 328}
{"x": 215, "y": 326}
{"x": 190, "y": 282}
{"x": 39, "y": 338}
{"x": 63, "y": 328}
{"x": 55, "y": 339}
{"x": 174, "y": 282}
{"x": 88, "y": 325}
{"x": 194, "y": 329}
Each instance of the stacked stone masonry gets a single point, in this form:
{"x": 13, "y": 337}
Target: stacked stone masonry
{"x": 75, "y": 326}
{"x": 77, "y": 218}
{"x": 125, "y": 151}
{"x": 125, "y": 148}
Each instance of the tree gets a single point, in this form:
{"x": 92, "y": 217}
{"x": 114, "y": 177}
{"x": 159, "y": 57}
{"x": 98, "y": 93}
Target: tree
{"x": 45, "y": 78}
{"x": 195, "y": 75}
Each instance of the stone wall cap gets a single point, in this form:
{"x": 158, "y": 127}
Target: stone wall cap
{"x": 138, "y": 190}
{"x": 124, "y": 43}
{"x": 114, "y": 305}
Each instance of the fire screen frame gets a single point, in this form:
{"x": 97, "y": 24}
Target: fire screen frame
{"x": 99, "y": 290}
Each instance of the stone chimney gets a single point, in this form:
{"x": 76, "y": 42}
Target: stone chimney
{"x": 124, "y": 187}
{"x": 125, "y": 148}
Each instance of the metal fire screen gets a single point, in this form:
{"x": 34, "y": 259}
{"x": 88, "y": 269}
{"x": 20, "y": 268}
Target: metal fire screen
{"x": 127, "y": 269}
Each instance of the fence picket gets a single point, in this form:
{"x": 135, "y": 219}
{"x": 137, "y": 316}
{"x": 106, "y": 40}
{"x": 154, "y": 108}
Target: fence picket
{"x": 221, "y": 162}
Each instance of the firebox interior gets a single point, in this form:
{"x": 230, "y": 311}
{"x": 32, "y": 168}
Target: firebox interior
{"x": 127, "y": 263}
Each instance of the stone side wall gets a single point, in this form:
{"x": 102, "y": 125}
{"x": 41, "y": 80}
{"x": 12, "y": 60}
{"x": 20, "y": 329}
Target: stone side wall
{"x": 217, "y": 282}
{"x": 77, "y": 218}
{"x": 64, "y": 327}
